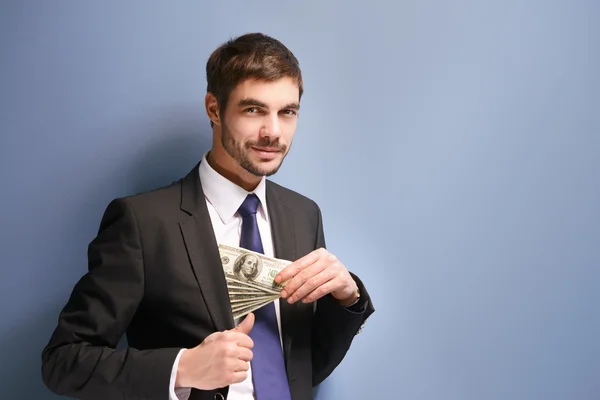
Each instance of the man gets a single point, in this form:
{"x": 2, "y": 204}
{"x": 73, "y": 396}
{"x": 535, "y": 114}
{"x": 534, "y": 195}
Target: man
{"x": 246, "y": 268}
{"x": 155, "y": 271}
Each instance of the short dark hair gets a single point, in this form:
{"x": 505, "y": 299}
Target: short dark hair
{"x": 253, "y": 55}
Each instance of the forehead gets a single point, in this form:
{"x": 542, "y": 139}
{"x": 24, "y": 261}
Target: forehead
{"x": 275, "y": 94}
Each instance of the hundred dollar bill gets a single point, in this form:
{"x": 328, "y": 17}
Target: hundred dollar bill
{"x": 247, "y": 269}
{"x": 233, "y": 287}
{"x": 246, "y": 298}
{"x": 236, "y": 293}
{"x": 240, "y": 312}
{"x": 234, "y": 284}
{"x": 240, "y": 306}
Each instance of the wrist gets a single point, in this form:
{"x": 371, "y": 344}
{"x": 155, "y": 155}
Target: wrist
{"x": 351, "y": 299}
{"x": 181, "y": 376}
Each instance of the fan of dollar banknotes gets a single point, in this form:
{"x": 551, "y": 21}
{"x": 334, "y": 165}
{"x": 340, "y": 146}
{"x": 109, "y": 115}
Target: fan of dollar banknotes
{"x": 250, "y": 278}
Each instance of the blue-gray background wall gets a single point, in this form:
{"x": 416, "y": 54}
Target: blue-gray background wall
{"x": 453, "y": 147}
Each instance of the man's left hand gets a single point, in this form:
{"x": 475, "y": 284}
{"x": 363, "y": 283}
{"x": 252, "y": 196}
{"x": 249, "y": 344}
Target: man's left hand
{"x": 316, "y": 275}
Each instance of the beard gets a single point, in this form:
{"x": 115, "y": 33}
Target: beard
{"x": 240, "y": 152}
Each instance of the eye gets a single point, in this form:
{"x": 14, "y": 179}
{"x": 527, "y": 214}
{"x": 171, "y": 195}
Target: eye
{"x": 251, "y": 110}
{"x": 289, "y": 112}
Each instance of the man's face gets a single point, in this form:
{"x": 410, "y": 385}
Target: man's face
{"x": 259, "y": 124}
{"x": 250, "y": 264}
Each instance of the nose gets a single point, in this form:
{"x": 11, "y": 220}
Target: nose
{"x": 271, "y": 126}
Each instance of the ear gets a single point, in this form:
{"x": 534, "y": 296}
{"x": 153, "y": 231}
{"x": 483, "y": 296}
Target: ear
{"x": 212, "y": 108}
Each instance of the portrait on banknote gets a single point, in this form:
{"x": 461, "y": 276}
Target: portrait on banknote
{"x": 247, "y": 267}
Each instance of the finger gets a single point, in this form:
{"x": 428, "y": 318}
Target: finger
{"x": 245, "y": 354}
{"x": 246, "y": 325}
{"x": 239, "y": 376}
{"x": 292, "y": 269}
{"x": 326, "y": 288}
{"x": 242, "y": 366}
{"x": 313, "y": 284}
{"x": 305, "y": 275}
{"x": 241, "y": 339}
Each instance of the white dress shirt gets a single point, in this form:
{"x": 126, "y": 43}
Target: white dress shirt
{"x": 223, "y": 198}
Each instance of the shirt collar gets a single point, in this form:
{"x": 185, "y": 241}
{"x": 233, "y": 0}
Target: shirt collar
{"x": 225, "y": 196}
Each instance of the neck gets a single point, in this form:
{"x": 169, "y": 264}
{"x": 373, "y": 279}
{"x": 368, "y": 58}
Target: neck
{"x": 227, "y": 167}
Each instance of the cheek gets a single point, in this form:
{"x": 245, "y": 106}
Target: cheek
{"x": 245, "y": 129}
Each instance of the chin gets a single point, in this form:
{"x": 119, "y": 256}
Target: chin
{"x": 267, "y": 167}
{"x": 268, "y": 171}
{"x": 264, "y": 169}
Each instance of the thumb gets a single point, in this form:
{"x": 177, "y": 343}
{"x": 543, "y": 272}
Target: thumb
{"x": 246, "y": 325}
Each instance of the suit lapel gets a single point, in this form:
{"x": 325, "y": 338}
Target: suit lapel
{"x": 284, "y": 244}
{"x": 203, "y": 252}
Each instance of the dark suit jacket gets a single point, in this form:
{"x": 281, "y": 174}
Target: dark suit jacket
{"x": 155, "y": 274}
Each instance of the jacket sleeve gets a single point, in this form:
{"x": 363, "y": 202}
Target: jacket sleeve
{"x": 81, "y": 359}
{"x": 334, "y": 326}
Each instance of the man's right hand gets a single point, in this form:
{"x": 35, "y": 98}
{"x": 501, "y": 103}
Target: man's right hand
{"x": 220, "y": 360}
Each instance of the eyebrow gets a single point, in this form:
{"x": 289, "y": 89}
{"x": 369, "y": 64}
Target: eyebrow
{"x": 257, "y": 103}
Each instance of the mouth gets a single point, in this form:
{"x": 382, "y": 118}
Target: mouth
{"x": 266, "y": 153}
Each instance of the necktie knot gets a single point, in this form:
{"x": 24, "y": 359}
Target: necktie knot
{"x": 249, "y": 206}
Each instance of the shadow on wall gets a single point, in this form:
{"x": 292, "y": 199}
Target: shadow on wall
{"x": 172, "y": 162}
{"x": 174, "y": 148}
{"x": 183, "y": 142}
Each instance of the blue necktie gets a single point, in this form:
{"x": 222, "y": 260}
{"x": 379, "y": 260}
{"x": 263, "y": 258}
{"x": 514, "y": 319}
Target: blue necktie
{"x": 268, "y": 366}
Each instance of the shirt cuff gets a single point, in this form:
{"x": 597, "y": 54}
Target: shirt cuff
{"x": 359, "y": 306}
{"x": 177, "y": 393}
